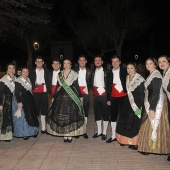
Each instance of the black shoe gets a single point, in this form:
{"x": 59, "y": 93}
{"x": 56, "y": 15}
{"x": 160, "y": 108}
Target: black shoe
{"x": 26, "y": 138}
{"x": 104, "y": 137}
{"x": 145, "y": 153}
{"x": 96, "y": 135}
{"x": 76, "y": 137}
{"x": 122, "y": 145}
{"x": 110, "y": 140}
{"x": 85, "y": 136}
{"x": 65, "y": 140}
{"x": 134, "y": 147}
{"x": 35, "y": 136}
{"x": 168, "y": 159}
{"x": 44, "y": 132}
{"x": 7, "y": 140}
{"x": 69, "y": 140}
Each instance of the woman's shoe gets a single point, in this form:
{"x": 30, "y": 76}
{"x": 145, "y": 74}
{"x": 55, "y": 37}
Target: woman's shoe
{"x": 26, "y": 138}
{"x": 145, "y": 153}
{"x": 65, "y": 140}
{"x": 76, "y": 137}
{"x": 134, "y": 147}
{"x": 122, "y": 145}
{"x": 69, "y": 140}
{"x": 85, "y": 136}
{"x": 168, "y": 159}
{"x": 35, "y": 136}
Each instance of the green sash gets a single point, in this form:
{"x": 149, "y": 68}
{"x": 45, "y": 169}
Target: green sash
{"x": 70, "y": 92}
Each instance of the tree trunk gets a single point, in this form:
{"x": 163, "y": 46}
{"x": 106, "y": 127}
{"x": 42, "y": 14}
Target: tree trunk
{"x": 29, "y": 53}
{"x": 119, "y": 50}
{"x": 29, "y": 58}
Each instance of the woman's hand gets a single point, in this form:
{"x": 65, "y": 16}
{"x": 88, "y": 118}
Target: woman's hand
{"x": 20, "y": 105}
{"x": 1, "y": 108}
{"x": 58, "y": 88}
{"x": 151, "y": 114}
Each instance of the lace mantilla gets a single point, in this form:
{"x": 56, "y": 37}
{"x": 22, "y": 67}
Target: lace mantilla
{"x": 136, "y": 81}
{"x": 25, "y": 83}
{"x": 165, "y": 83}
{"x": 7, "y": 80}
{"x": 155, "y": 74}
{"x": 155, "y": 121}
{"x": 72, "y": 76}
{"x": 131, "y": 86}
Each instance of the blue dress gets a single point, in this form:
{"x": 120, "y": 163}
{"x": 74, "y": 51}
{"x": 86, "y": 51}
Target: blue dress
{"x": 26, "y": 124}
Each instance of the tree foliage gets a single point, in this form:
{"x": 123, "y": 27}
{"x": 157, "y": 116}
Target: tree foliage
{"x": 105, "y": 24}
{"x": 17, "y": 15}
{"x": 25, "y": 19}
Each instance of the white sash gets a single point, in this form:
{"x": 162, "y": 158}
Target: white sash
{"x": 158, "y": 111}
{"x": 131, "y": 86}
{"x": 165, "y": 82}
{"x": 25, "y": 83}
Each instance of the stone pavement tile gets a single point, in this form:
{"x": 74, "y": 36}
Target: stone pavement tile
{"x": 50, "y": 153}
{"x": 2, "y": 151}
{"x": 63, "y": 146}
{"x": 28, "y": 165}
{"x": 78, "y": 156}
{"x": 105, "y": 167}
{"x": 78, "y": 167}
{"x": 81, "y": 162}
{"x": 58, "y": 167}
{"x": 25, "y": 168}
{"x": 7, "y": 165}
{"x": 56, "y": 161}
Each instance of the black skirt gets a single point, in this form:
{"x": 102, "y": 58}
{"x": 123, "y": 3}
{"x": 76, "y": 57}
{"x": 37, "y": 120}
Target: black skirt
{"x": 29, "y": 108}
{"x": 128, "y": 123}
{"x": 64, "y": 115}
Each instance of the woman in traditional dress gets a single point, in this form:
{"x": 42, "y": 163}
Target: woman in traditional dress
{"x": 129, "y": 116}
{"x": 154, "y": 134}
{"x": 163, "y": 62}
{"x": 7, "y": 87}
{"x": 25, "y": 119}
{"x": 66, "y": 114}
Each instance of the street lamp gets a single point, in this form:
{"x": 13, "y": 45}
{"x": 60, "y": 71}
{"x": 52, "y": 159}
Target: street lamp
{"x": 36, "y": 46}
{"x": 61, "y": 57}
{"x": 136, "y": 57}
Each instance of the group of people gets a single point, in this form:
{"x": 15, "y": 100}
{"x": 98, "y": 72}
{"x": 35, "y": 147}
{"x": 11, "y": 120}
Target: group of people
{"x": 138, "y": 109}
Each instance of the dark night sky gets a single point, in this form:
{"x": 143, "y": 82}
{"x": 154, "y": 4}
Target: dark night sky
{"x": 159, "y": 11}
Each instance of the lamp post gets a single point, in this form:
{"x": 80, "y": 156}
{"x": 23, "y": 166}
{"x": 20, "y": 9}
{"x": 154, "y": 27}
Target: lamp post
{"x": 36, "y": 46}
{"x": 136, "y": 57}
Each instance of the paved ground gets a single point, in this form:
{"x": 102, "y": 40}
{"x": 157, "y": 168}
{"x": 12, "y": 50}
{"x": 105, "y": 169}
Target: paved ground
{"x": 51, "y": 153}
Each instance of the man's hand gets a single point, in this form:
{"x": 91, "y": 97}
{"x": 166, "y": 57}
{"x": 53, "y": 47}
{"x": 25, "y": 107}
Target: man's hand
{"x": 81, "y": 99}
{"x": 1, "y": 108}
{"x": 58, "y": 88}
{"x": 108, "y": 103}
